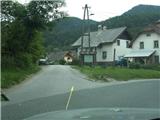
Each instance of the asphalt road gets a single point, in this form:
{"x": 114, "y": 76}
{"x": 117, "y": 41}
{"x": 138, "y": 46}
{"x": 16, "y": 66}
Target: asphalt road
{"x": 51, "y": 80}
{"x": 134, "y": 94}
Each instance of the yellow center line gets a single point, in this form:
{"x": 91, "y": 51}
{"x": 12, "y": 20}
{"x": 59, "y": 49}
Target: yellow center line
{"x": 69, "y": 99}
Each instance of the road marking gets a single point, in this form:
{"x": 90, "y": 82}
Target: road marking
{"x": 69, "y": 99}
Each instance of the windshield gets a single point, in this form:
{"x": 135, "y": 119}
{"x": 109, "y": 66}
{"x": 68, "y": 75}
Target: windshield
{"x": 80, "y": 59}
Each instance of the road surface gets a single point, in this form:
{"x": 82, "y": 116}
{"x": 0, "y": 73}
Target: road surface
{"x": 52, "y": 80}
{"x": 87, "y": 94}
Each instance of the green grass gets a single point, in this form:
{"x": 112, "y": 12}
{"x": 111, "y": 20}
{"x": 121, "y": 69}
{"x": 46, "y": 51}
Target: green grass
{"x": 12, "y": 76}
{"x": 99, "y": 73}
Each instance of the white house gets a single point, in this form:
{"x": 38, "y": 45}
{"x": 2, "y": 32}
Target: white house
{"x": 107, "y": 45}
{"x": 146, "y": 46}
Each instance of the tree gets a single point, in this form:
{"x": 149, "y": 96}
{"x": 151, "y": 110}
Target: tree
{"x": 41, "y": 12}
{"x": 21, "y": 26}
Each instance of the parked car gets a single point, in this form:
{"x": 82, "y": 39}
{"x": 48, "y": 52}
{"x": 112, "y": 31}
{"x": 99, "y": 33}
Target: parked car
{"x": 122, "y": 62}
{"x": 43, "y": 61}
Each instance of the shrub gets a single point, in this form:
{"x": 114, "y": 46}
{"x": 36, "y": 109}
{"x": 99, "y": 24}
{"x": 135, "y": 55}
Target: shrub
{"x": 75, "y": 62}
{"x": 62, "y": 62}
{"x": 134, "y": 65}
{"x": 7, "y": 61}
{"x": 151, "y": 66}
{"x": 24, "y": 60}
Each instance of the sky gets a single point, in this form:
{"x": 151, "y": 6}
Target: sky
{"x": 102, "y": 9}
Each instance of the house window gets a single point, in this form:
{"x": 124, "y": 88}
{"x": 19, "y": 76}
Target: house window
{"x": 148, "y": 34}
{"x": 104, "y": 54}
{"x": 141, "y": 45}
{"x": 127, "y": 44}
{"x": 118, "y": 42}
{"x": 156, "y": 44}
{"x": 156, "y": 59}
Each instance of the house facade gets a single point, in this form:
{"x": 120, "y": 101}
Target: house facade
{"x": 107, "y": 45}
{"x": 113, "y": 51}
{"x": 146, "y": 46}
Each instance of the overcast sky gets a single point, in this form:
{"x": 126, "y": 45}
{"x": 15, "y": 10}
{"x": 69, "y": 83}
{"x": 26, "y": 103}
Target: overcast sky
{"x": 102, "y": 9}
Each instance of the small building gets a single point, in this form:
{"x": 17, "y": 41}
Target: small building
{"x": 146, "y": 48}
{"x": 68, "y": 57}
{"x": 107, "y": 45}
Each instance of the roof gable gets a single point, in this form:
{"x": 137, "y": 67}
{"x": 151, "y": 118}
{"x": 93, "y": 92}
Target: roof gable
{"x": 153, "y": 28}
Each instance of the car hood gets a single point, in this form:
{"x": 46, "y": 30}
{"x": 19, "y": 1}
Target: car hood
{"x": 100, "y": 114}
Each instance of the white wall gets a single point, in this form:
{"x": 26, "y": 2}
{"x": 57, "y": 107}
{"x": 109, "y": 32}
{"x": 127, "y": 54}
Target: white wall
{"x": 122, "y": 49}
{"x": 109, "y": 48}
{"x": 148, "y": 42}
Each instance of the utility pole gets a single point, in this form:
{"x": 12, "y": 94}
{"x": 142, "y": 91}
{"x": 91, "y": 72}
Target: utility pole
{"x": 85, "y": 32}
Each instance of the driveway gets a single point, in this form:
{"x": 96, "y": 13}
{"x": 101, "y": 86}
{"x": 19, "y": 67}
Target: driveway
{"x": 51, "y": 80}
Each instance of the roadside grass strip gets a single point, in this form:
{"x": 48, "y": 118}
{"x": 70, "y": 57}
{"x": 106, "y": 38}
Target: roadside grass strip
{"x": 13, "y": 76}
{"x": 117, "y": 73}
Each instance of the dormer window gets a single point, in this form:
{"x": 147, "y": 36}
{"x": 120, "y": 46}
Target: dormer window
{"x": 148, "y": 34}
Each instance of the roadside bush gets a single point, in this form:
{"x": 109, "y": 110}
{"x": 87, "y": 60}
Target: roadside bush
{"x": 18, "y": 61}
{"x": 24, "y": 60}
{"x": 62, "y": 62}
{"x": 152, "y": 67}
{"x": 134, "y": 65}
{"x": 7, "y": 61}
{"x": 75, "y": 62}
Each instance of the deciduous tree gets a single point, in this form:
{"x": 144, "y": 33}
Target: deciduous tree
{"x": 21, "y": 26}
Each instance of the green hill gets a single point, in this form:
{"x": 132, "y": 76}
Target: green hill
{"x": 68, "y": 30}
{"x": 135, "y": 19}
{"x": 64, "y": 33}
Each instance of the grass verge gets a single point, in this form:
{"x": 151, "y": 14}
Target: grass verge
{"x": 99, "y": 73}
{"x": 12, "y": 76}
